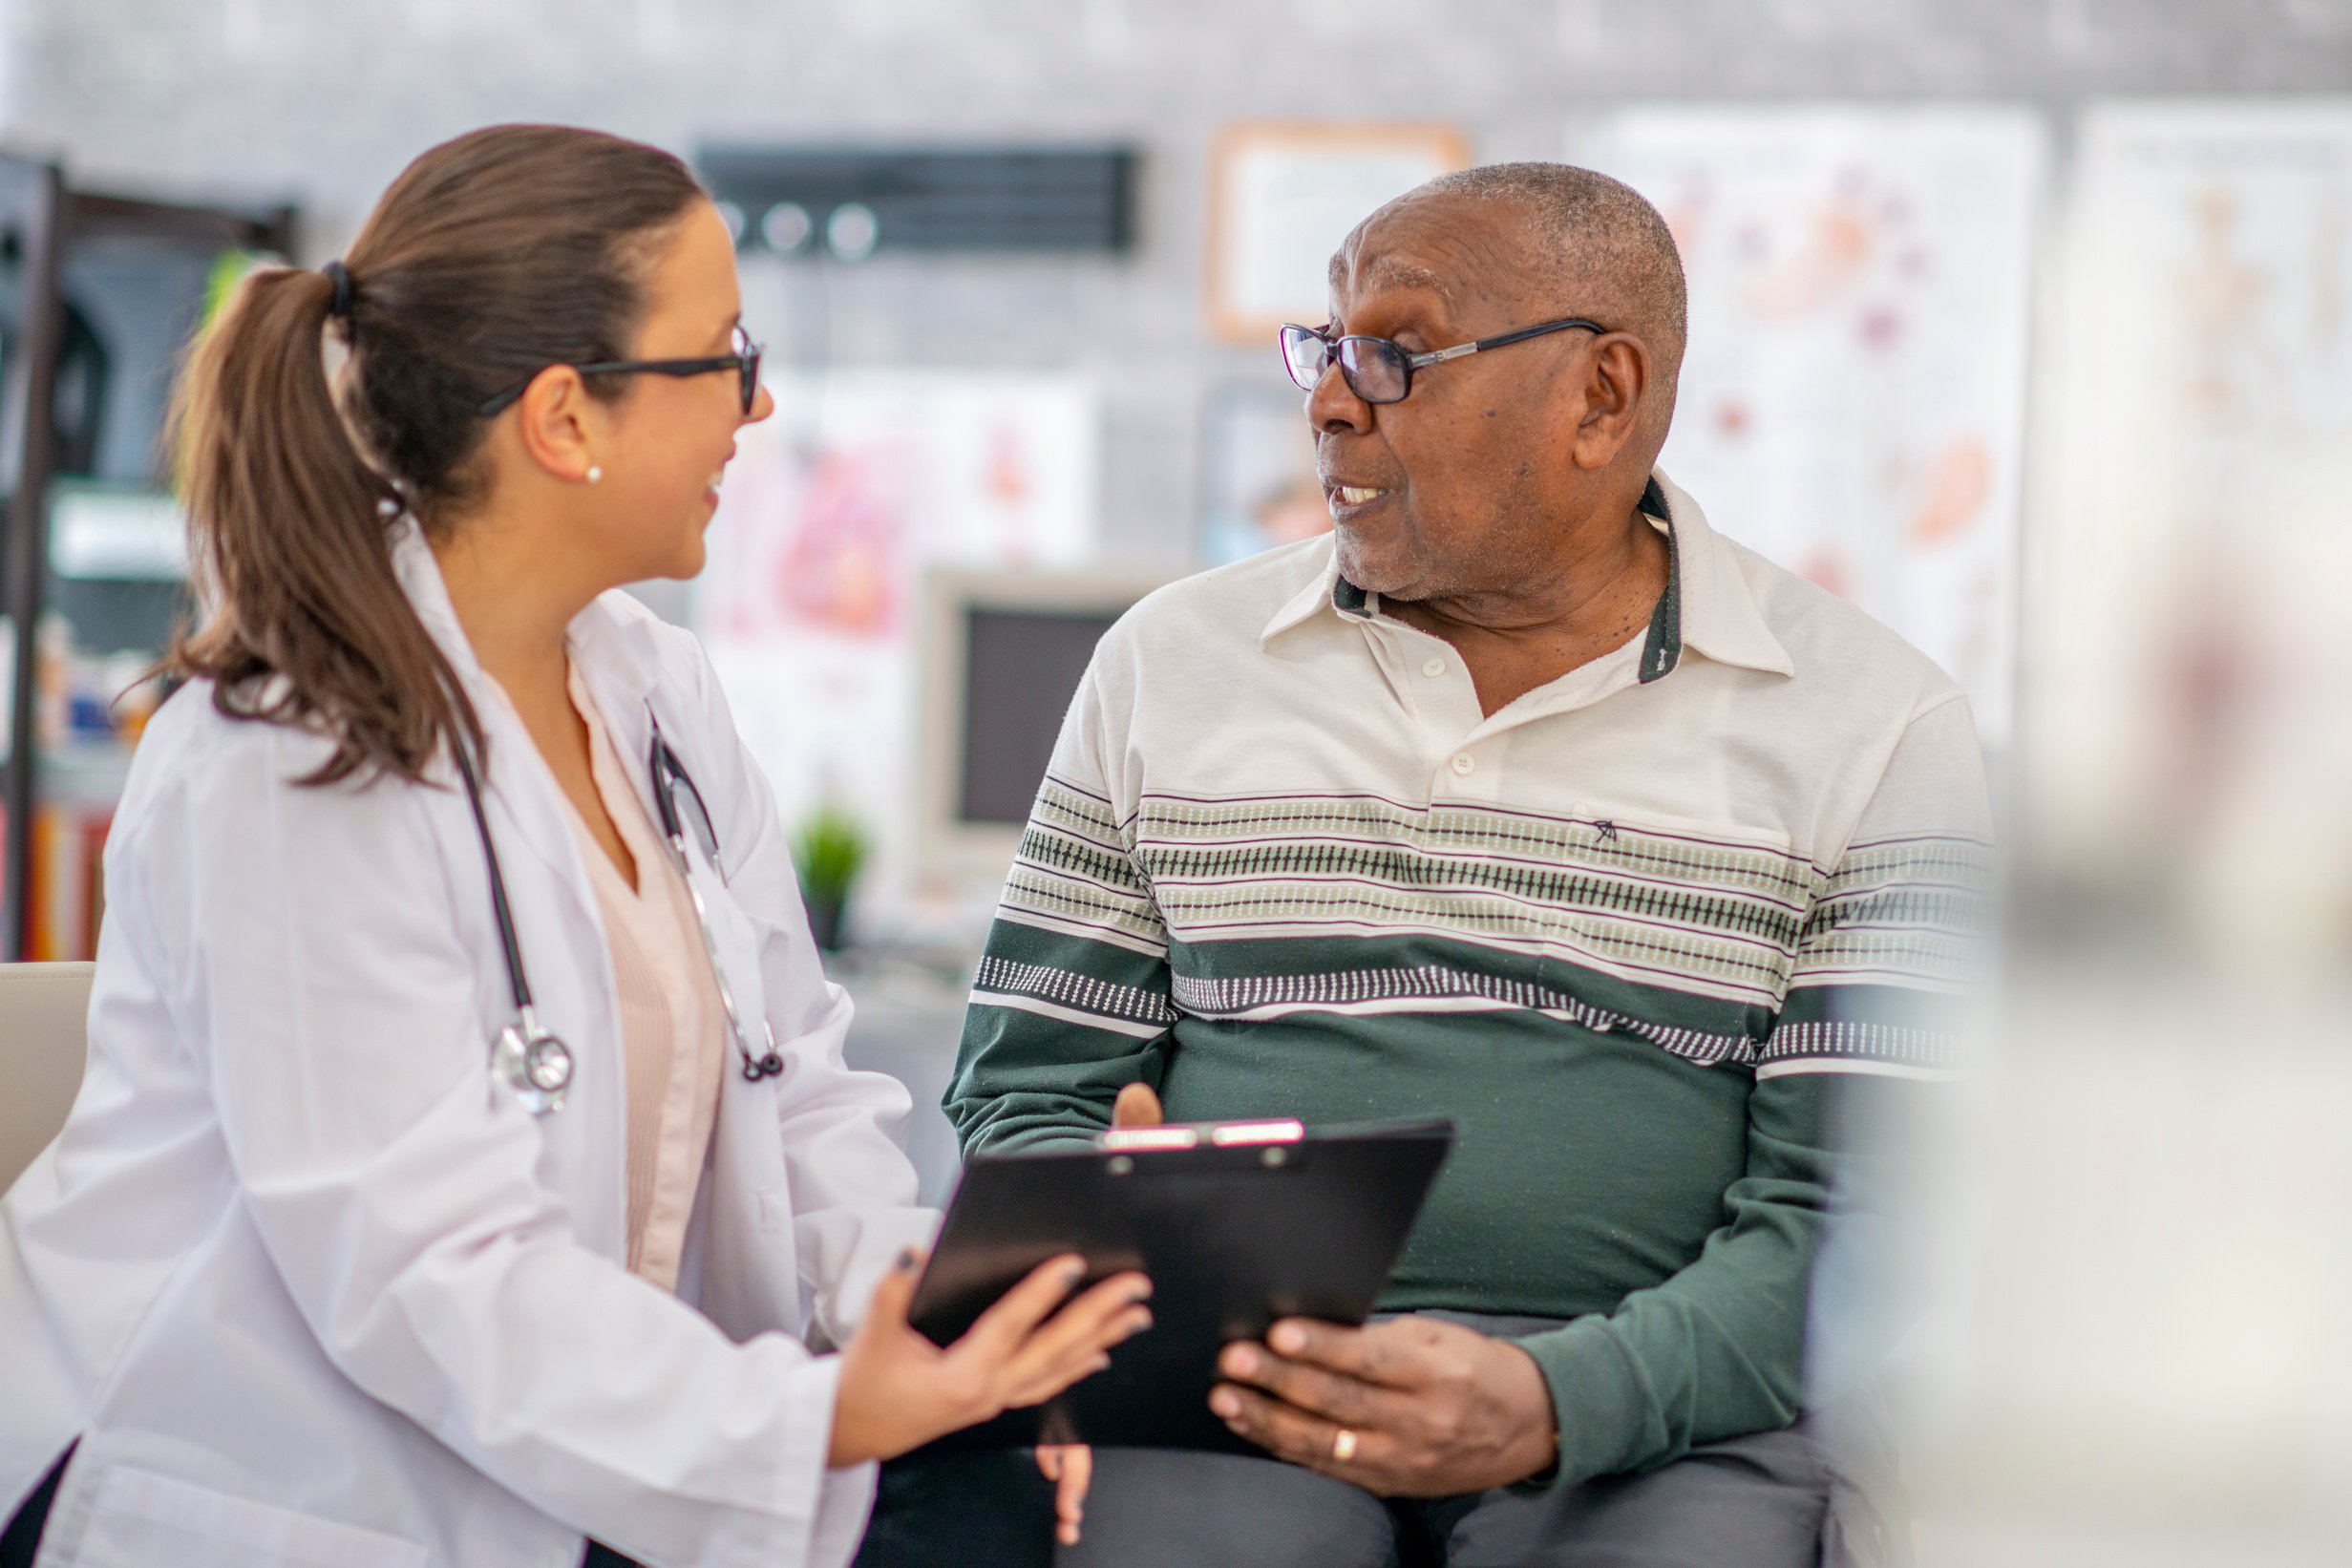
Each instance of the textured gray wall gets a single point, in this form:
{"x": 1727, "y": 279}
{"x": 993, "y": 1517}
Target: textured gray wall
{"x": 324, "y": 99}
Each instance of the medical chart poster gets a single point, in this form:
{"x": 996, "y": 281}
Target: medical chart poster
{"x": 828, "y": 516}
{"x": 2188, "y": 580}
{"x": 1852, "y": 403}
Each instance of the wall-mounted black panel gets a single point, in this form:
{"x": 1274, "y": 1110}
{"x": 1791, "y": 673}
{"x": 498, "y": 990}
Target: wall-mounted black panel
{"x": 915, "y": 199}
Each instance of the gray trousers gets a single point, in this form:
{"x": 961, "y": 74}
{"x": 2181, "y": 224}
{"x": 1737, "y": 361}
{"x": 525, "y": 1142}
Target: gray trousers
{"x": 1817, "y": 1494}
{"x": 1770, "y": 1500}
{"x": 1793, "y": 1499}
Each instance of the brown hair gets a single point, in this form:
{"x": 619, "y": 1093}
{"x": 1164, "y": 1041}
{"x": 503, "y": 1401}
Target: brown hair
{"x": 492, "y": 257}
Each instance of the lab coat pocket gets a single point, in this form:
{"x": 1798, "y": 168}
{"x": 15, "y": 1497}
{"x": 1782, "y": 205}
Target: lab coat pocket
{"x": 139, "y": 1519}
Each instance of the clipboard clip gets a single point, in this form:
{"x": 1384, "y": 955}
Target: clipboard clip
{"x": 1219, "y": 1135}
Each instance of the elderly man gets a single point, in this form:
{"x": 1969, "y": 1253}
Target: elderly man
{"x": 1529, "y": 800}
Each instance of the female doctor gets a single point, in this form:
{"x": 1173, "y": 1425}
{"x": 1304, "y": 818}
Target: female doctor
{"x": 466, "y": 1169}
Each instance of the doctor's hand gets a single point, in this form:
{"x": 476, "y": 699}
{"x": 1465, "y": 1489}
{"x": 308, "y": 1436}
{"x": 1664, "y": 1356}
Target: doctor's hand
{"x": 1410, "y": 1408}
{"x": 897, "y": 1391}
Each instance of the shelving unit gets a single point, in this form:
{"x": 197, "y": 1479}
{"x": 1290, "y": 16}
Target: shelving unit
{"x": 100, "y": 294}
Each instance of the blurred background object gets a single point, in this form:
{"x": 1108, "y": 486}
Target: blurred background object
{"x": 100, "y": 293}
{"x": 829, "y": 849}
{"x": 2021, "y": 323}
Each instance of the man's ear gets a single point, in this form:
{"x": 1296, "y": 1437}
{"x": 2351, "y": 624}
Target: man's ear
{"x": 1616, "y": 380}
{"x": 557, "y": 425}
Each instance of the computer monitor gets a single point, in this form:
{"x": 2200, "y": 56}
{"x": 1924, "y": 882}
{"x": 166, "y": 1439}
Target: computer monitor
{"x": 1002, "y": 655}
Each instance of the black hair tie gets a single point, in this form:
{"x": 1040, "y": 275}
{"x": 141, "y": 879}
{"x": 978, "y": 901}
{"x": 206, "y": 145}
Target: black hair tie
{"x": 341, "y": 304}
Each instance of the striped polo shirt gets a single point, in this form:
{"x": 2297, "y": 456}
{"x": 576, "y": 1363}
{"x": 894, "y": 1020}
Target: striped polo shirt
{"x": 1652, "y": 935}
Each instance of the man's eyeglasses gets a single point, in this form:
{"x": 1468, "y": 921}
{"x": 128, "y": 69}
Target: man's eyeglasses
{"x": 1381, "y": 372}
{"x": 744, "y": 361}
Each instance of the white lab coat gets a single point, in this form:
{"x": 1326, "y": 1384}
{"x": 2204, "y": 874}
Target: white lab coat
{"x": 310, "y": 1288}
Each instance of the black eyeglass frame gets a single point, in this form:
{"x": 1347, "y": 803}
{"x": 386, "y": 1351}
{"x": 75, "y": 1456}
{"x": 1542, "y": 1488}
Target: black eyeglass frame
{"x": 1405, "y": 357}
{"x": 745, "y": 360}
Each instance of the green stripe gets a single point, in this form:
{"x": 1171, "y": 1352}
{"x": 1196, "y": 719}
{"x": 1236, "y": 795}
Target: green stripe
{"x": 1663, "y": 1006}
{"x": 1104, "y": 960}
{"x": 1899, "y": 1006}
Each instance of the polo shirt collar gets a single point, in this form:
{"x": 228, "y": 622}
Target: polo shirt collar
{"x": 1707, "y": 604}
{"x": 1325, "y": 590}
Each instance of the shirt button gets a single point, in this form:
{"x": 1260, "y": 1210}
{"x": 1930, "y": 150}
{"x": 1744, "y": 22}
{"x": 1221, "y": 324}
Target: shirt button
{"x": 1463, "y": 763}
{"x": 1433, "y": 669}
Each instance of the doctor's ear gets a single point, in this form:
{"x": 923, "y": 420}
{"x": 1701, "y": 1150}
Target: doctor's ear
{"x": 559, "y": 424}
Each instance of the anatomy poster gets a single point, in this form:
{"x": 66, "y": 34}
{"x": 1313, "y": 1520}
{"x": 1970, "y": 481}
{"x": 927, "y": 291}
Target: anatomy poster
{"x": 2209, "y": 352}
{"x": 1854, "y": 396}
{"x": 829, "y": 515}
{"x": 2188, "y": 576}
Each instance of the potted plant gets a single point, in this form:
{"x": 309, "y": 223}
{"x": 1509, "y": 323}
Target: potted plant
{"x": 829, "y": 849}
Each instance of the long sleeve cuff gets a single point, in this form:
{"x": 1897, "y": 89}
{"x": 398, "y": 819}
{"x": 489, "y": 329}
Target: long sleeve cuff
{"x": 837, "y": 1501}
{"x": 1607, "y": 1417}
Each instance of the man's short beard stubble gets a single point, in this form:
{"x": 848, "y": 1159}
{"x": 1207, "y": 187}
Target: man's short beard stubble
{"x": 1511, "y": 553}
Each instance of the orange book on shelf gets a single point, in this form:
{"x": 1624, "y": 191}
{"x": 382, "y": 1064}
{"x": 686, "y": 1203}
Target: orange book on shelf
{"x": 65, "y": 897}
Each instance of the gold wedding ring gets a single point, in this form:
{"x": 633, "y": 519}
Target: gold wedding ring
{"x": 1343, "y": 1446}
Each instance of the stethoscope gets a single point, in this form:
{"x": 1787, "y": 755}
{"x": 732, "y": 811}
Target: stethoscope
{"x": 528, "y": 1056}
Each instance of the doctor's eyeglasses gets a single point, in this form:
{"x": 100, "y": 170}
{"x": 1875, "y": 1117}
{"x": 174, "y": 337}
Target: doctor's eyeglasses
{"x": 1378, "y": 371}
{"x": 744, "y": 361}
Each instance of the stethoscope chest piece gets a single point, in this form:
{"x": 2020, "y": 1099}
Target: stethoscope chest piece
{"x": 532, "y": 1062}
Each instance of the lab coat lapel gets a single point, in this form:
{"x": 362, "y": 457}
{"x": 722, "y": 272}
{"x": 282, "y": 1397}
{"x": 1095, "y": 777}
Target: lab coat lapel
{"x": 518, "y": 788}
{"x": 743, "y": 1262}
{"x": 620, "y": 663}
{"x": 618, "y": 666}
{"x": 557, "y": 918}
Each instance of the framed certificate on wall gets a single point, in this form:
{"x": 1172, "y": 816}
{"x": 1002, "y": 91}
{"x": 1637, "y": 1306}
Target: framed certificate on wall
{"x": 1283, "y": 196}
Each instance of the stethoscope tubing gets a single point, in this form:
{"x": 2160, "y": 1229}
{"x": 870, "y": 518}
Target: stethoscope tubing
{"x": 668, "y": 773}
{"x": 517, "y": 979}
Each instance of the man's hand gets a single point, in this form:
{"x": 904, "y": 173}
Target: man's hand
{"x": 1431, "y": 1409}
{"x": 1137, "y": 1105}
{"x": 1071, "y": 1468}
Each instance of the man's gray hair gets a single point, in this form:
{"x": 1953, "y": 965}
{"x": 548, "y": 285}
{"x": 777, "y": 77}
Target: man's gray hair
{"x": 1598, "y": 234}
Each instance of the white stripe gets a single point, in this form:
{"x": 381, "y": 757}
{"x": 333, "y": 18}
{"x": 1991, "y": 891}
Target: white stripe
{"x": 1378, "y": 1004}
{"x": 1087, "y": 930}
{"x": 1069, "y": 1015}
{"x": 1855, "y": 1065}
{"x": 1941, "y": 988}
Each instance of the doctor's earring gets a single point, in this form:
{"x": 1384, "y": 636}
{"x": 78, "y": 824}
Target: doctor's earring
{"x": 596, "y": 474}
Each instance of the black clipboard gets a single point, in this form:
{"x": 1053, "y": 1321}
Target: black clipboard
{"x": 1238, "y": 1225}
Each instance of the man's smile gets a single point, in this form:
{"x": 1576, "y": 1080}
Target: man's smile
{"x": 1348, "y": 502}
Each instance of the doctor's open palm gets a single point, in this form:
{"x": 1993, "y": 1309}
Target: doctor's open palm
{"x": 897, "y": 1391}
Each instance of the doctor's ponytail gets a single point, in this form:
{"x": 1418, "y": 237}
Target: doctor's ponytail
{"x": 490, "y": 258}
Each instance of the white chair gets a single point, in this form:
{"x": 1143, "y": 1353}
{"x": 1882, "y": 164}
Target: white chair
{"x": 44, "y": 1020}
